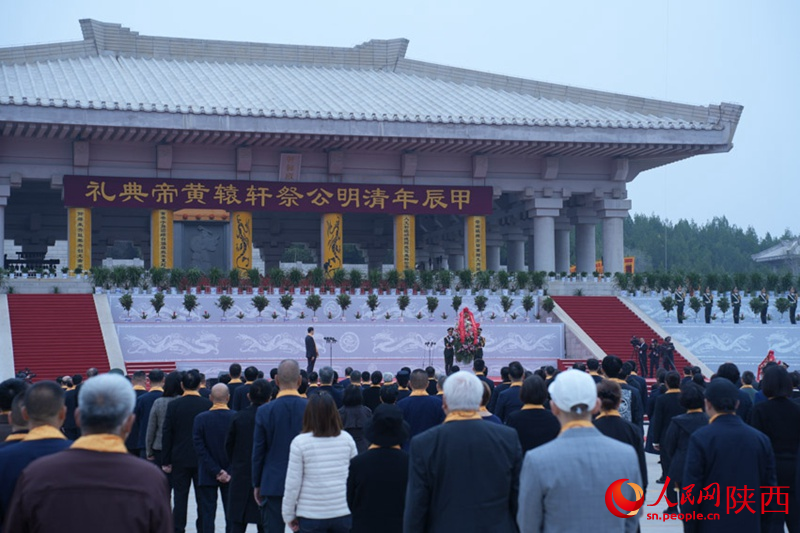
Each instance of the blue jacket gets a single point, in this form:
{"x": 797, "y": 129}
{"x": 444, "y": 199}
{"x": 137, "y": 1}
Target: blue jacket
{"x": 208, "y": 435}
{"x": 142, "y": 411}
{"x": 277, "y": 424}
{"x": 507, "y": 402}
{"x": 421, "y": 413}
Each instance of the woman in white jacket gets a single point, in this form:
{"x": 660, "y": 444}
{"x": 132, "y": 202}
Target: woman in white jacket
{"x": 315, "y": 495}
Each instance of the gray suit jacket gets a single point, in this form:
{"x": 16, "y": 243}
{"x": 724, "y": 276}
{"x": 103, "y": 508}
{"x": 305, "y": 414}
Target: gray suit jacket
{"x": 563, "y": 484}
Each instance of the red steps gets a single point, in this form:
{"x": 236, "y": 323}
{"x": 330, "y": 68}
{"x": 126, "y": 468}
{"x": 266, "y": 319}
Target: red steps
{"x": 147, "y": 366}
{"x": 610, "y": 324}
{"x": 56, "y": 334}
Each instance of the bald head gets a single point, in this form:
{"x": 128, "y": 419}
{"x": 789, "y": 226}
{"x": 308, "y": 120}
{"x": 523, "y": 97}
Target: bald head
{"x": 288, "y": 376}
{"x": 220, "y": 393}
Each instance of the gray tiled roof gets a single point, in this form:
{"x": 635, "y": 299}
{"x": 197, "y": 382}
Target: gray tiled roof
{"x": 114, "y": 68}
{"x": 786, "y": 249}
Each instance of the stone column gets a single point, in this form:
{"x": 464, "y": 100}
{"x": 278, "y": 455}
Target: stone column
{"x": 404, "y": 242}
{"x": 544, "y": 246}
{"x": 613, "y": 212}
{"x": 516, "y": 254}
{"x": 5, "y": 192}
{"x": 585, "y": 248}
{"x": 562, "y": 250}
{"x": 531, "y": 253}
{"x": 80, "y": 238}
{"x": 161, "y": 238}
{"x": 493, "y": 257}
{"x": 242, "y": 241}
{"x": 331, "y": 242}
{"x": 455, "y": 261}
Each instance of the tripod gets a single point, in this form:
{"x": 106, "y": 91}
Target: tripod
{"x": 429, "y": 345}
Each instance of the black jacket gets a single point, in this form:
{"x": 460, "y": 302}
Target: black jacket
{"x": 242, "y": 507}
{"x": 676, "y": 441}
{"x": 376, "y": 490}
{"x": 177, "y": 446}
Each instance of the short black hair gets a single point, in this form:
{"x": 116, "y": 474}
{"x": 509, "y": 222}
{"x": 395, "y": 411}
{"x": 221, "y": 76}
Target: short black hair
{"x": 592, "y": 364}
{"x": 748, "y": 378}
{"x": 44, "y": 400}
{"x": 687, "y": 370}
{"x": 376, "y": 377}
{"x": 612, "y": 365}
{"x": 533, "y": 390}
{"x": 365, "y": 376}
{"x": 504, "y": 373}
{"x": 235, "y": 370}
{"x": 156, "y": 376}
{"x": 776, "y": 382}
{"x": 632, "y": 363}
{"x": 430, "y": 371}
{"x": 625, "y": 371}
{"x": 515, "y": 370}
{"x": 673, "y": 379}
{"x": 389, "y": 394}
{"x": 8, "y": 390}
{"x": 310, "y": 329}
{"x": 77, "y": 379}
{"x": 313, "y": 377}
{"x": 140, "y": 375}
{"x": 260, "y": 391}
{"x": 172, "y": 384}
{"x": 273, "y": 372}
{"x": 479, "y": 365}
{"x": 355, "y": 376}
{"x": 730, "y": 372}
{"x": 691, "y": 396}
{"x": 251, "y": 373}
{"x": 191, "y": 380}
{"x": 353, "y": 396}
{"x": 402, "y": 378}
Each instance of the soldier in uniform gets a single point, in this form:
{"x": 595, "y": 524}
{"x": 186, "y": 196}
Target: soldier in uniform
{"x": 708, "y": 302}
{"x": 449, "y": 351}
{"x": 680, "y": 301}
{"x": 481, "y": 345}
{"x": 764, "y": 297}
{"x": 736, "y": 303}
{"x": 668, "y": 355}
{"x": 792, "y": 297}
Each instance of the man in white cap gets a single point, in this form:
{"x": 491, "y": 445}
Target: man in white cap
{"x": 575, "y": 470}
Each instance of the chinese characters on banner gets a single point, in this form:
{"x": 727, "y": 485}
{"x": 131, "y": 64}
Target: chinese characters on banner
{"x": 161, "y": 238}
{"x": 80, "y": 239}
{"x": 332, "y": 243}
{"x": 289, "y": 169}
{"x": 737, "y": 500}
{"x": 175, "y": 194}
{"x": 242, "y": 240}
{"x": 475, "y": 233}
{"x": 404, "y": 242}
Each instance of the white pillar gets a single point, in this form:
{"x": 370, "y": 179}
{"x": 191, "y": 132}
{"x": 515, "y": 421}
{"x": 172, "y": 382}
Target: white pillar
{"x": 613, "y": 245}
{"x": 493, "y": 258}
{"x": 544, "y": 255}
{"x": 585, "y": 248}
{"x": 531, "y": 254}
{"x": 516, "y": 255}
{"x": 562, "y": 250}
{"x": 455, "y": 261}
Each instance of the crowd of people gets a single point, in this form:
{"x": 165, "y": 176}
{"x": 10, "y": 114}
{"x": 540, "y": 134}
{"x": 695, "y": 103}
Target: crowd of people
{"x": 406, "y": 452}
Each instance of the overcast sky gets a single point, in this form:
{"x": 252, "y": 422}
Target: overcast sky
{"x": 697, "y": 52}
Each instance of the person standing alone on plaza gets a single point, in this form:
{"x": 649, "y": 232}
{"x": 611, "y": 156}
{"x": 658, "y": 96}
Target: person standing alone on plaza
{"x": 708, "y": 303}
{"x": 449, "y": 351}
{"x": 311, "y": 350}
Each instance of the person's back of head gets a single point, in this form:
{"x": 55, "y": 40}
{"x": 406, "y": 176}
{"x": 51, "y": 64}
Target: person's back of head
{"x": 795, "y": 379}
{"x": 462, "y": 392}
{"x": 326, "y": 375}
{"x": 172, "y": 384}
{"x": 272, "y": 373}
{"x": 722, "y": 394}
{"x": 365, "y": 376}
{"x": 419, "y": 380}
{"x": 9, "y": 390}
{"x": 696, "y": 370}
{"x": 440, "y": 379}
{"x": 504, "y": 374}
{"x": 730, "y": 372}
{"x": 191, "y": 380}
{"x": 105, "y": 406}
{"x": 355, "y": 377}
{"x": 251, "y": 373}
{"x": 479, "y": 366}
{"x": 389, "y": 394}
{"x": 402, "y": 378}
{"x": 260, "y": 392}
{"x": 313, "y": 377}
{"x": 348, "y": 371}
{"x": 673, "y": 380}
{"x": 220, "y": 393}
{"x": 321, "y": 417}
{"x": 376, "y": 377}
{"x": 516, "y": 371}
{"x": 235, "y": 370}
{"x": 776, "y": 382}
{"x": 139, "y": 378}
{"x": 592, "y": 364}
{"x": 533, "y": 391}
{"x": 388, "y": 377}
{"x": 698, "y": 380}
{"x": 288, "y": 375}
{"x": 625, "y": 371}
{"x": 15, "y": 416}
{"x": 223, "y": 378}
{"x": 632, "y": 364}
{"x": 353, "y": 396}
{"x": 610, "y": 394}
{"x": 687, "y": 370}
{"x": 454, "y": 369}
{"x": 430, "y": 371}
{"x": 303, "y": 388}
{"x": 77, "y": 379}
{"x": 156, "y": 376}
{"x": 44, "y": 404}
{"x": 691, "y": 396}
{"x": 92, "y": 372}
{"x": 661, "y": 375}
{"x": 612, "y": 365}
{"x": 550, "y": 371}
{"x": 748, "y": 378}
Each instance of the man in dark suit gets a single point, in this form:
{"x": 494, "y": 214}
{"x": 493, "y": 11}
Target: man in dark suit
{"x": 736, "y": 304}
{"x": 144, "y": 404}
{"x": 179, "y": 457}
{"x": 372, "y": 394}
{"x": 632, "y": 378}
{"x": 138, "y": 380}
{"x": 509, "y": 401}
{"x": 277, "y": 423}
{"x": 420, "y": 410}
{"x": 449, "y": 350}
{"x": 631, "y": 407}
{"x": 431, "y": 372}
{"x": 731, "y": 454}
{"x": 242, "y": 508}
{"x": 443, "y": 462}
{"x": 326, "y": 385}
{"x": 311, "y": 350}
{"x": 505, "y": 383}
{"x": 730, "y": 372}
{"x": 479, "y": 367}
{"x": 213, "y": 469}
{"x": 239, "y": 399}
{"x": 235, "y": 371}
{"x": 446, "y": 459}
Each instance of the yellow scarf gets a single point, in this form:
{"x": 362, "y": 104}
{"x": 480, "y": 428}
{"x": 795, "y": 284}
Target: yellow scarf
{"x": 102, "y": 442}
{"x": 156, "y": 389}
{"x": 575, "y": 424}
{"x": 44, "y": 432}
{"x": 376, "y": 447}
{"x": 458, "y": 416}
{"x": 418, "y": 393}
{"x": 283, "y": 393}
{"x": 219, "y": 407}
{"x": 694, "y": 411}
{"x": 719, "y": 415}
{"x": 138, "y": 387}
{"x": 15, "y": 437}
{"x": 236, "y": 380}
{"x": 610, "y": 412}
{"x": 528, "y": 406}
{"x": 191, "y": 393}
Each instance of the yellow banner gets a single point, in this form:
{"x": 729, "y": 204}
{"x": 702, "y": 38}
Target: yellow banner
{"x": 475, "y": 237}
{"x": 80, "y": 238}
{"x": 161, "y": 238}
{"x": 332, "y": 242}
{"x": 404, "y": 242}
{"x": 242, "y": 226}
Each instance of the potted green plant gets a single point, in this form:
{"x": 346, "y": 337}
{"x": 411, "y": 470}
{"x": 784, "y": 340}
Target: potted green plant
{"x": 465, "y": 281}
{"x": 338, "y": 277}
{"x": 317, "y": 278}
{"x": 548, "y": 305}
{"x": 356, "y": 279}
{"x": 724, "y": 304}
{"x": 393, "y": 280}
{"x": 402, "y": 302}
{"x": 375, "y": 277}
{"x": 314, "y": 302}
{"x": 410, "y": 278}
{"x": 527, "y": 305}
{"x": 506, "y": 302}
{"x": 157, "y": 301}
{"x": 295, "y": 277}
{"x": 224, "y": 302}
{"x": 190, "y": 304}
{"x": 427, "y": 279}
{"x": 445, "y": 278}
{"x": 432, "y": 303}
{"x": 782, "y": 305}
{"x": 373, "y": 303}
{"x": 756, "y": 305}
{"x": 260, "y": 302}
{"x": 668, "y": 304}
{"x": 695, "y": 305}
{"x": 343, "y": 300}
{"x": 286, "y": 302}
{"x": 276, "y": 277}
{"x": 503, "y": 281}
{"x": 521, "y": 280}
{"x": 193, "y": 275}
{"x": 126, "y": 301}
{"x": 456, "y": 303}
{"x": 480, "y": 303}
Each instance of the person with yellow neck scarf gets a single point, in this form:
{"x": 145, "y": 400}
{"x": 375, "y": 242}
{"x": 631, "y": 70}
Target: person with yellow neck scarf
{"x": 115, "y": 491}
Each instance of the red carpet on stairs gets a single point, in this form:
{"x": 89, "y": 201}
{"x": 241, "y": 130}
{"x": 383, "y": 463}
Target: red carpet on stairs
{"x": 56, "y": 334}
{"x": 611, "y": 325}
